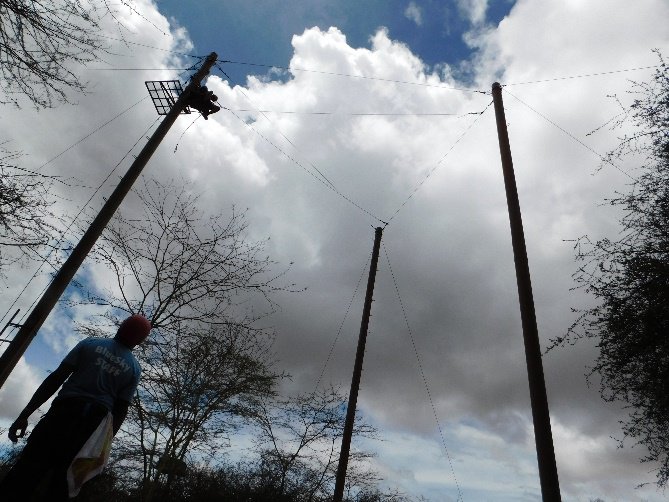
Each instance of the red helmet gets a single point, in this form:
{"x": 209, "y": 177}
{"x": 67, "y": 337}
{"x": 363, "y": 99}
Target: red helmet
{"x": 133, "y": 330}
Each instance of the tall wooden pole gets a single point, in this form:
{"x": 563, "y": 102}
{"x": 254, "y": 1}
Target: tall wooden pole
{"x": 548, "y": 476}
{"x": 36, "y": 318}
{"x": 357, "y": 371}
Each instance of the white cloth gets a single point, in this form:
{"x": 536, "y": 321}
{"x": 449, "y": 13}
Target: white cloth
{"x": 92, "y": 457}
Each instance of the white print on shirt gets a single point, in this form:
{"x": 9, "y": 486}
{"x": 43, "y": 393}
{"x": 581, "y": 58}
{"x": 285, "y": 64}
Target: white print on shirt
{"x": 111, "y": 363}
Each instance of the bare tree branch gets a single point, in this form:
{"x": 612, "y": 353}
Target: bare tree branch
{"x": 629, "y": 278}
{"x": 178, "y": 267}
{"x": 26, "y": 220}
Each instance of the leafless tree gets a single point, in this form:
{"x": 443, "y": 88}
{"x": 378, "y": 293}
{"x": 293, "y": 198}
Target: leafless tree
{"x": 180, "y": 268}
{"x": 299, "y": 438}
{"x": 43, "y": 42}
{"x": 208, "y": 361}
{"x": 26, "y": 220}
{"x": 195, "y": 389}
{"x": 39, "y": 41}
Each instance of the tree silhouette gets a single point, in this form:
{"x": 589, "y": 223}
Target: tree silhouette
{"x": 201, "y": 282}
{"x": 629, "y": 277}
{"x": 181, "y": 268}
{"x": 26, "y": 221}
{"x": 40, "y": 44}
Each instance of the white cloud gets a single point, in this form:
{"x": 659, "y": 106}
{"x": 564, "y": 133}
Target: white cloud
{"x": 414, "y": 13}
{"x": 474, "y": 10}
{"x": 18, "y": 389}
{"x": 594, "y": 465}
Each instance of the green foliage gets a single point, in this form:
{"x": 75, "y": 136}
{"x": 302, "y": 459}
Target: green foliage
{"x": 630, "y": 279}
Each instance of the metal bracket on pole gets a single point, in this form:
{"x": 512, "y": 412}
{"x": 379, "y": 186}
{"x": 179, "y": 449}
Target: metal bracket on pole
{"x": 164, "y": 94}
{"x": 10, "y": 323}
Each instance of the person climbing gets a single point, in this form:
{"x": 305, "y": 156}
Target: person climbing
{"x": 202, "y": 100}
{"x": 99, "y": 376}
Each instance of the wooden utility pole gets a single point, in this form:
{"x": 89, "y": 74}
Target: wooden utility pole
{"x": 548, "y": 476}
{"x": 357, "y": 371}
{"x": 36, "y": 318}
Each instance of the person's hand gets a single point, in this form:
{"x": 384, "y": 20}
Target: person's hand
{"x": 18, "y": 429}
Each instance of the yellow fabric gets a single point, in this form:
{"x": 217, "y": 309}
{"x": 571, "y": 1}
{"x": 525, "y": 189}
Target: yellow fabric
{"x": 92, "y": 457}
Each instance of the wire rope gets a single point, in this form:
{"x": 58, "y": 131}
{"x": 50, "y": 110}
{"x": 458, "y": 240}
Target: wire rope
{"x": 137, "y": 69}
{"x": 134, "y": 10}
{"x": 573, "y": 137}
{"x": 97, "y": 129}
{"x": 64, "y": 232}
{"x": 438, "y": 164}
{"x": 365, "y": 77}
{"x": 280, "y": 132}
{"x": 329, "y": 184}
{"x": 176, "y": 147}
{"x": 341, "y": 325}
{"x": 296, "y": 162}
{"x": 422, "y": 374}
{"x": 76, "y": 143}
{"x": 362, "y": 77}
{"x": 60, "y": 181}
{"x": 354, "y": 114}
{"x": 326, "y": 182}
{"x": 139, "y": 44}
{"x": 585, "y": 75}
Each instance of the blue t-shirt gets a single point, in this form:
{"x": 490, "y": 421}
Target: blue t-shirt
{"x": 105, "y": 370}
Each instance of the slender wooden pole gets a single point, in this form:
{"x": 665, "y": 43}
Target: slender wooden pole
{"x": 548, "y": 476}
{"x": 357, "y": 371}
{"x": 36, "y": 318}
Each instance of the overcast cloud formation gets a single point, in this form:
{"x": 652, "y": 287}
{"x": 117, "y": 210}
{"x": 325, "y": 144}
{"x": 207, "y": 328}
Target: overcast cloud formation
{"x": 448, "y": 244}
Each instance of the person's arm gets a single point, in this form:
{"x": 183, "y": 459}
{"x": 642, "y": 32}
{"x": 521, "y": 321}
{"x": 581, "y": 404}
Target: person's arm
{"x": 119, "y": 413}
{"x": 47, "y": 389}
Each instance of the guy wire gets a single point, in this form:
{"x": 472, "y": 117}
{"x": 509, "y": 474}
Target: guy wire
{"x": 422, "y": 374}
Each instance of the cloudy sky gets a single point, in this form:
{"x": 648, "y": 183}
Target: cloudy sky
{"x": 389, "y": 100}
